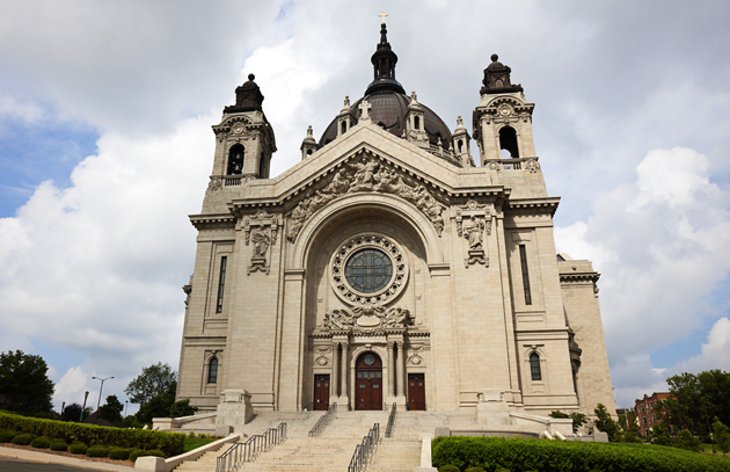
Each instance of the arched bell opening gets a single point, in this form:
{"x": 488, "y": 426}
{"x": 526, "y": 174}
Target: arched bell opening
{"x": 235, "y": 160}
{"x": 508, "y": 142}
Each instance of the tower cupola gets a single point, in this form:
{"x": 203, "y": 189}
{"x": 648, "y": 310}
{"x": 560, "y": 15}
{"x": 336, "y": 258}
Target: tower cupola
{"x": 497, "y": 78}
{"x": 384, "y": 60}
{"x": 248, "y": 97}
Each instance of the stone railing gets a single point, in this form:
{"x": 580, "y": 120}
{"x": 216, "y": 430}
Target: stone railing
{"x": 528, "y": 164}
{"x": 391, "y": 422}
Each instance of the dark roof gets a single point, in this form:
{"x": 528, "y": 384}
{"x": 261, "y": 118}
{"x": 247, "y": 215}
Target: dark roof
{"x": 389, "y": 102}
{"x": 389, "y": 110}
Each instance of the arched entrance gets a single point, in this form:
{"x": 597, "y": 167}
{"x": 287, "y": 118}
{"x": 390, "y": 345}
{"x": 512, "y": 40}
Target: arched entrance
{"x": 369, "y": 382}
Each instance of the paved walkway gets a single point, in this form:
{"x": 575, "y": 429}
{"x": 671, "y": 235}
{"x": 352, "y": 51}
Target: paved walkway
{"x": 12, "y": 459}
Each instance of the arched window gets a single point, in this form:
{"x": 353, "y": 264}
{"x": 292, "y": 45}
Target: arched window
{"x": 213, "y": 370}
{"x": 343, "y": 127}
{"x": 235, "y": 160}
{"x": 460, "y": 144}
{"x": 535, "y": 366}
{"x": 417, "y": 122}
{"x": 508, "y": 141}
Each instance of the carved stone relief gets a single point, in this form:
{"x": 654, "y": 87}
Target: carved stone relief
{"x": 367, "y": 318}
{"x": 367, "y": 175}
{"x": 473, "y": 221}
{"x": 260, "y": 231}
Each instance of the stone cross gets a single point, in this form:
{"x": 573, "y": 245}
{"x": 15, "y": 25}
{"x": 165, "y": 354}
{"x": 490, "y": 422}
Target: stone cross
{"x": 382, "y": 16}
{"x": 365, "y": 110}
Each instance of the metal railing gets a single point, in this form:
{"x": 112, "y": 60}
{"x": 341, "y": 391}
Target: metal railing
{"x": 391, "y": 422}
{"x": 248, "y": 451}
{"x": 323, "y": 421}
{"x": 364, "y": 451}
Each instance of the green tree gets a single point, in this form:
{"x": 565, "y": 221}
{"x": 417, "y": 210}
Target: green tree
{"x": 24, "y": 384}
{"x": 157, "y": 379}
{"x": 605, "y": 423}
{"x": 111, "y": 410}
{"x": 696, "y": 400}
{"x": 721, "y": 436}
{"x": 182, "y": 408}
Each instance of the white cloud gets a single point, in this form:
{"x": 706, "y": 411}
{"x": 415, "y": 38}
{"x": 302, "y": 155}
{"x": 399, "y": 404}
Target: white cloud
{"x": 12, "y": 108}
{"x": 98, "y": 266}
{"x": 714, "y": 352}
{"x": 660, "y": 244}
{"x": 71, "y": 387}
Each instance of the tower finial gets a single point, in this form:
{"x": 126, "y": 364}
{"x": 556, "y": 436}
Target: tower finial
{"x": 382, "y": 16}
{"x": 384, "y": 60}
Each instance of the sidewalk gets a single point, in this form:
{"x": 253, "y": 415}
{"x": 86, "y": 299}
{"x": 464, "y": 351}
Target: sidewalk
{"x": 24, "y": 455}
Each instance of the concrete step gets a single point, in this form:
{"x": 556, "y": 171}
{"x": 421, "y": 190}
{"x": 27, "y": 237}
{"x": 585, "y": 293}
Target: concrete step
{"x": 396, "y": 456}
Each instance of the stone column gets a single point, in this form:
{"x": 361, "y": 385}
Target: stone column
{"x": 391, "y": 373}
{"x": 333, "y": 374}
{"x": 400, "y": 374}
{"x": 343, "y": 377}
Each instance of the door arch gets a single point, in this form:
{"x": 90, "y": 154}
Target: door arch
{"x": 368, "y": 382}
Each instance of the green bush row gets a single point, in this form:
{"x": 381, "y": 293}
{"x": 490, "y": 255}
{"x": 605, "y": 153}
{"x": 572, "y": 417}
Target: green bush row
{"x": 170, "y": 443}
{"x": 520, "y": 455}
{"x": 77, "y": 447}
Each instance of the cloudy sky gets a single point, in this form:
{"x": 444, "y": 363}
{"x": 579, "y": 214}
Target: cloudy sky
{"x": 106, "y": 146}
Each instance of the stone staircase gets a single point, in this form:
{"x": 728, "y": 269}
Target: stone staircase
{"x": 333, "y": 449}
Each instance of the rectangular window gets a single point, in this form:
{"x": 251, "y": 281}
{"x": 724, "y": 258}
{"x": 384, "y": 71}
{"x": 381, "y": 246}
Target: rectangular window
{"x": 525, "y": 275}
{"x": 221, "y": 285}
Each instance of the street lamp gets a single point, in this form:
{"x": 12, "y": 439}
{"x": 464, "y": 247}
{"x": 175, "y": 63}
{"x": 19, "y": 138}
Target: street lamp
{"x": 101, "y": 387}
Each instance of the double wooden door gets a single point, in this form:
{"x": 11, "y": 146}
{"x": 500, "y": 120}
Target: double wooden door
{"x": 369, "y": 382}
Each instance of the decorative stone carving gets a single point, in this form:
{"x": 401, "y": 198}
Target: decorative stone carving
{"x": 367, "y": 175}
{"x": 532, "y": 166}
{"x": 216, "y": 183}
{"x": 472, "y": 222}
{"x": 260, "y": 230}
{"x": 321, "y": 361}
{"x": 367, "y": 317}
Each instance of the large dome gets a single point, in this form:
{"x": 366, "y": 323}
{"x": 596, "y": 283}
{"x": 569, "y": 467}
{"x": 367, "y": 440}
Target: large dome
{"x": 389, "y": 109}
{"x": 389, "y": 103}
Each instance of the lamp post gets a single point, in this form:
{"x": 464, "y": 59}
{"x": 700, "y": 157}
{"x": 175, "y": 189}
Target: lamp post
{"x": 101, "y": 387}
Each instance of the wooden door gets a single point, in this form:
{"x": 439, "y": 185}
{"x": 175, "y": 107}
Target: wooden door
{"x": 368, "y": 382}
{"x": 416, "y": 391}
{"x": 321, "y": 392}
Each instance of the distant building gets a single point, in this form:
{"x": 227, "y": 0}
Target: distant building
{"x": 646, "y": 412}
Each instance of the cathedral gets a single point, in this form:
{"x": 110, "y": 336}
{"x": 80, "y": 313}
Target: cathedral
{"x": 390, "y": 266}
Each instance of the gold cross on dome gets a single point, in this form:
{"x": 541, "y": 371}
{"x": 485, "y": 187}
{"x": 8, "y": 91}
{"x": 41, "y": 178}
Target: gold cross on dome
{"x": 382, "y": 16}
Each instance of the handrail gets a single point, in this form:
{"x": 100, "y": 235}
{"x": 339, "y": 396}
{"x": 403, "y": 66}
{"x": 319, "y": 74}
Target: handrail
{"x": 251, "y": 449}
{"x": 323, "y": 421}
{"x": 391, "y": 422}
{"x": 364, "y": 451}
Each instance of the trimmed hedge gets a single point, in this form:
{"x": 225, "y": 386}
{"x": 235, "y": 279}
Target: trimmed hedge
{"x": 41, "y": 442}
{"x": 97, "y": 451}
{"x": 119, "y": 454}
{"x": 78, "y": 447}
{"x": 170, "y": 443}
{"x": 59, "y": 445}
{"x": 7, "y": 436}
{"x": 135, "y": 454}
{"x": 24, "y": 439}
{"x": 520, "y": 455}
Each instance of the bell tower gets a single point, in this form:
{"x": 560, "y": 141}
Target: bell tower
{"x": 245, "y": 140}
{"x": 503, "y": 119}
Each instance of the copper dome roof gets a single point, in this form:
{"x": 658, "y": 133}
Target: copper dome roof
{"x": 389, "y": 102}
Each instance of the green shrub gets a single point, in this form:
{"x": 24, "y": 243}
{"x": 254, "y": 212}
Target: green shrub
{"x": 449, "y": 468}
{"x": 119, "y": 453}
{"x": 78, "y": 447}
{"x": 154, "y": 452}
{"x": 41, "y": 442}
{"x": 475, "y": 469}
{"x": 558, "y": 456}
{"x": 169, "y": 443}
{"x": 97, "y": 451}
{"x": 135, "y": 454}
{"x": 59, "y": 445}
{"x": 7, "y": 436}
{"x": 24, "y": 439}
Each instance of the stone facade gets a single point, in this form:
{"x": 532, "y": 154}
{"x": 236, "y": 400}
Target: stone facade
{"x": 387, "y": 268}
